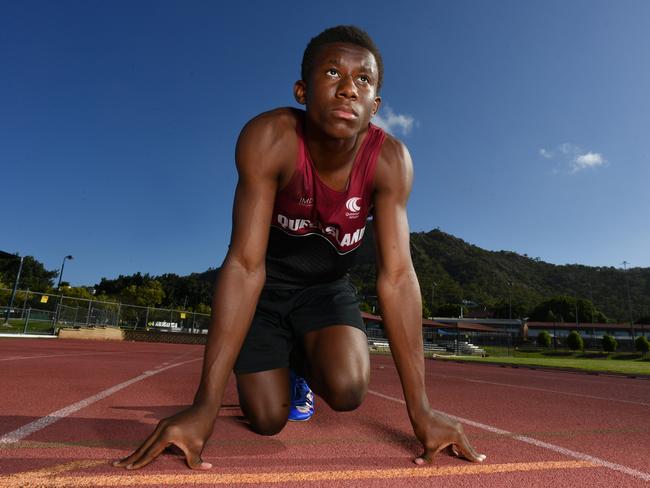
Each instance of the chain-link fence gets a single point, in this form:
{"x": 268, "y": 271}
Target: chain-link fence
{"x": 43, "y": 313}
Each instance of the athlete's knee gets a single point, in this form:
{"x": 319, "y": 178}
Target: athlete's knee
{"x": 268, "y": 424}
{"x": 347, "y": 394}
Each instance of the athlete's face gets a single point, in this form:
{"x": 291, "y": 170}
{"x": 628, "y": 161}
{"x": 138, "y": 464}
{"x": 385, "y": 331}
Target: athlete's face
{"x": 341, "y": 92}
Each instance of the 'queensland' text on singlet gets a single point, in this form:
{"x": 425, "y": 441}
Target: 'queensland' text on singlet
{"x": 315, "y": 230}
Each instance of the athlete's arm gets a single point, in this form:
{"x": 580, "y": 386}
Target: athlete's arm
{"x": 400, "y": 302}
{"x": 260, "y": 156}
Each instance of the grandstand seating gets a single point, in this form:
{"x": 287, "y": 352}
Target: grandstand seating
{"x": 441, "y": 347}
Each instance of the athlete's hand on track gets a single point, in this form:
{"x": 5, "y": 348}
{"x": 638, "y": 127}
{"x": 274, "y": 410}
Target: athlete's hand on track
{"x": 438, "y": 432}
{"x": 188, "y": 430}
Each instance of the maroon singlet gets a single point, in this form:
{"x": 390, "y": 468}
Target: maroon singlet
{"x": 315, "y": 230}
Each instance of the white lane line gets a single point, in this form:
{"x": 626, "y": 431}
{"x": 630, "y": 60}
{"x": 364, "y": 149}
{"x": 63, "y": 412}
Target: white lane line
{"x": 534, "y": 388}
{"x": 535, "y": 442}
{"x": 14, "y": 358}
{"x": 28, "y": 336}
{"x": 28, "y": 429}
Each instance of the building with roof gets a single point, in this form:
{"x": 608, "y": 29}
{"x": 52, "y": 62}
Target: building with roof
{"x": 506, "y": 332}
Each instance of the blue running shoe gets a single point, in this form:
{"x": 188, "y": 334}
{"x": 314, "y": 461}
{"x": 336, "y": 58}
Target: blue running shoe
{"x": 302, "y": 399}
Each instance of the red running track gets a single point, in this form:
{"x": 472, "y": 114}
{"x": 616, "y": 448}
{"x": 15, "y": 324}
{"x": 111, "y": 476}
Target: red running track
{"x": 70, "y": 407}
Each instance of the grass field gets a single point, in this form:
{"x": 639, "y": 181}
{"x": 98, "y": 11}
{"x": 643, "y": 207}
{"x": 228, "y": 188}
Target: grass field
{"x": 17, "y": 326}
{"x": 625, "y": 363}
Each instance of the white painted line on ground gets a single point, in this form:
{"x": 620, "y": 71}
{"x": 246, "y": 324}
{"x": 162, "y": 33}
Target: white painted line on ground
{"x": 94, "y": 353}
{"x": 28, "y": 429}
{"x": 535, "y": 442}
{"x": 29, "y": 336}
{"x": 534, "y": 388}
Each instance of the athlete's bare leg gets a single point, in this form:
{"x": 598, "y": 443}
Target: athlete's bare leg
{"x": 264, "y": 399}
{"x": 338, "y": 365}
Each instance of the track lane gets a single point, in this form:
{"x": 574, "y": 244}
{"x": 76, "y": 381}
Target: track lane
{"x": 375, "y": 438}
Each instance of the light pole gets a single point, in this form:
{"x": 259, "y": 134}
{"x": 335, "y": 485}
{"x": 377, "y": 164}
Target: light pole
{"x": 433, "y": 294}
{"x": 510, "y": 300}
{"x": 58, "y": 286}
{"x": 58, "y": 289}
{"x": 13, "y": 294}
{"x": 629, "y": 302}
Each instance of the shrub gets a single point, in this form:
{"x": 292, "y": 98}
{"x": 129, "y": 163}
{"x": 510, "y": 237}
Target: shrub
{"x": 574, "y": 341}
{"x": 609, "y": 343}
{"x": 544, "y": 339}
{"x": 642, "y": 344}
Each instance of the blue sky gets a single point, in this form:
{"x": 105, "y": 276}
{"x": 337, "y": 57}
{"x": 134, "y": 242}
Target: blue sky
{"x": 527, "y": 122}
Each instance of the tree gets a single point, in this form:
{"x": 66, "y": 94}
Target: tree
{"x": 149, "y": 294}
{"x": 449, "y": 310}
{"x": 544, "y": 339}
{"x": 203, "y": 308}
{"x": 609, "y": 343}
{"x": 365, "y": 307}
{"x": 77, "y": 292}
{"x": 4, "y": 294}
{"x": 33, "y": 275}
{"x": 565, "y": 306}
{"x": 642, "y": 344}
{"x": 574, "y": 341}
{"x": 425, "y": 310}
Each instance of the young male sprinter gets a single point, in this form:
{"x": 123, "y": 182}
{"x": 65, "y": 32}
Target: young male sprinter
{"x": 307, "y": 182}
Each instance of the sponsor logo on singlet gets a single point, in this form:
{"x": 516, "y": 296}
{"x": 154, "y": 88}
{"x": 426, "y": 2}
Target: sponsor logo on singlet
{"x": 306, "y": 201}
{"x": 353, "y": 206}
{"x": 296, "y": 225}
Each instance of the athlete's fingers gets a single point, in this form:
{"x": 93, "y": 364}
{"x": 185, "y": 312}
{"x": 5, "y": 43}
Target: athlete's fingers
{"x": 465, "y": 449}
{"x": 149, "y": 455}
{"x": 193, "y": 459}
{"x": 140, "y": 450}
{"x": 421, "y": 460}
{"x": 427, "y": 456}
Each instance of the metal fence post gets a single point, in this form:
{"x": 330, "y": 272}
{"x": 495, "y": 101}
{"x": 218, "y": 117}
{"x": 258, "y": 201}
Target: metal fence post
{"x": 29, "y": 310}
{"x": 88, "y": 316}
{"x": 25, "y": 303}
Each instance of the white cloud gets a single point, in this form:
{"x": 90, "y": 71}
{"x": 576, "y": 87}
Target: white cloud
{"x": 545, "y": 154}
{"x": 571, "y": 158}
{"x": 568, "y": 148}
{"x": 391, "y": 122}
{"x": 587, "y": 160}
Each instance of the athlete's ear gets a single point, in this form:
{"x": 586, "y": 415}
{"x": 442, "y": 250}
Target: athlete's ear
{"x": 375, "y": 106}
{"x": 300, "y": 92}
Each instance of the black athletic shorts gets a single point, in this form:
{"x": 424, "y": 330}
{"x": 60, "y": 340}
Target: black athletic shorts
{"x": 284, "y": 315}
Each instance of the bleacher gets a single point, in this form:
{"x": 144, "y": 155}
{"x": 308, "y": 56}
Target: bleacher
{"x": 462, "y": 348}
{"x": 441, "y": 347}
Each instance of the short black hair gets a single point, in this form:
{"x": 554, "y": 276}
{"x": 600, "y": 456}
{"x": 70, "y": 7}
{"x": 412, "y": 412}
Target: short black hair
{"x": 341, "y": 33}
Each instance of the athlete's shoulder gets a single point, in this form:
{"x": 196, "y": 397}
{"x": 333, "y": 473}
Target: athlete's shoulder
{"x": 269, "y": 136}
{"x": 394, "y": 165}
{"x": 271, "y": 126}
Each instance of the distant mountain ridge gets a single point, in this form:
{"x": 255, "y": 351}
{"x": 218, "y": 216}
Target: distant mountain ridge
{"x": 465, "y": 272}
{"x": 451, "y": 272}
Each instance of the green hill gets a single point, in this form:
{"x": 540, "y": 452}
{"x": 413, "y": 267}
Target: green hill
{"x": 503, "y": 283}
{"x": 464, "y": 272}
